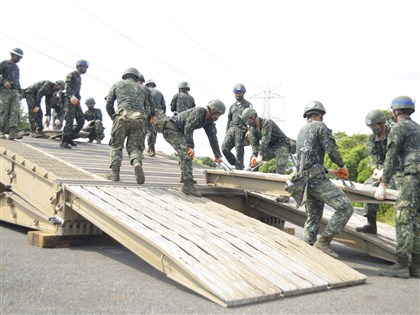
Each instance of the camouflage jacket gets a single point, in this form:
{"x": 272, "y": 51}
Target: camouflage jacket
{"x": 96, "y": 114}
{"x": 181, "y": 102}
{"x": 270, "y": 136}
{"x": 234, "y": 115}
{"x": 403, "y": 148}
{"x": 195, "y": 118}
{"x": 73, "y": 84}
{"x": 129, "y": 95}
{"x": 158, "y": 99}
{"x": 9, "y": 72}
{"x": 41, "y": 89}
{"x": 318, "y": 140}
{"x": 376, "y": 148}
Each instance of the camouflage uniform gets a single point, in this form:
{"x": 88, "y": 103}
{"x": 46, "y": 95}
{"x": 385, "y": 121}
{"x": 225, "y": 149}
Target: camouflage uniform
{"x": 58, "y": 106}
{"x": 318, "y": 139}
{"x": 73, "y": 86}
{"x": 270, "y": 143}
{"x": 181, "y": 102}
{"x": 160, "y": 109}
{"x": 96, "y": 130}
{"x": 128, "y": 121}
{"x": 9, "y": 98}
{"x": 404, "y": 149}
{"x": 34, "y": 95}
{"x": 178, "y": 132}
{"x": 235, "y": 134}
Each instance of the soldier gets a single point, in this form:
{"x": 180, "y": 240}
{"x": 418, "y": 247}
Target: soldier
{"x": 404, "y": 150}
{"x": 128, "y": 123}
{"x": 376, "y": 147}
{"x": 58, "y": 106}
{"x": 182, "y": 100}
{"x": 268, "y": 142}
{"x": 160, "y": 110}
{"x": 94, "y": 125}
{"x": 34, "y": 95}
{"x": 9, "y": 94}
{"x": 178, "y": 132}
{"x": 73, "y": 109}
{"x": 236, "y": 129}
{"x": 317, "y": 139}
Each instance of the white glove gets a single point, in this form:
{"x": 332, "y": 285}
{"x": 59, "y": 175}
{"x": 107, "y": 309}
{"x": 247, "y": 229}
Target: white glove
{"x": 377, "y": 174}
{"x": 259, "y": 159}
{"x": 380, "y": 193}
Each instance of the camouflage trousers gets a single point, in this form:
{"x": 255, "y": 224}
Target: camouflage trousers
{"x": 322, "y": 191}
{"x": 151, "y": 135}
{"x": 9, "y": 109}
{"x": 177, "y": 140}
{"x": 35, "y": 119}
{"x": 129, "y": 129}
{"x": 72, "y": 112}
{"x": 281, "y": 154}
{"x": 96, "y": 132}
{"x": 407, "y": 216}
{"x": 234, "y": 138}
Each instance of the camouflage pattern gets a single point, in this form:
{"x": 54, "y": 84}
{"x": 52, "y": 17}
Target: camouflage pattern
{"x": 179, "y": 130}
{"x": 9, "y": 98}
{"x": 235, "y": 134}
{"x": 96, "y": 130}
{"x": 128, "y": 121}
{"x": 58, "y": 106}
{"x": 160, "y": 117}
{"x": 34, "y": 95}
{"x": 318, "y": 140}
{"x": 72, "y": 112}
{"x": 404, "y": 150}
{"x": 181, "y": 102}
{"x": 271, "y": 142}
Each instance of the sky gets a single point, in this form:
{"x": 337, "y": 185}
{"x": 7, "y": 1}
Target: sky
{"x": 353, "y": 56}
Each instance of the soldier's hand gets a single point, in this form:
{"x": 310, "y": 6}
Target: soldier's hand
{"x": 254, "y": 161}
{"x": 57, "y": 123}
{"x": 341, "y": 172}
{"x": 191, "y": 153}
{"x": 259, "y": 159}
{"x": 47, "y": 121}
{"x": 218, "y": 160}
{"x": 152, "y": 120}
{"x": 380, "y": 193}
{"x": 35, "y": 109}
{"x": 74, "y": 100}
{"x": 377, "y": 174}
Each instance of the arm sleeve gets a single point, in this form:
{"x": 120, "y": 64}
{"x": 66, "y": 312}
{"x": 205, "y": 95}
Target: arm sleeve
{"x": 391, "y": 159}
{"x": 327, "y": 140}
{"x": 211, "y": 132}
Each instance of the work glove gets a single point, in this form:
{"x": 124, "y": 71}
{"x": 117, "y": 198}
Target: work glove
{"x": 46, "y": 121}
{"x": 217, "y": 160}
{"x": 57, "y": 123}
{"x": 74, "y": 100}
{"x": 380, "y": 192}
{"x": 377, "y": 174}
{"x": 254, "y": 161}
{"x": 342, "y": 172}
{"x": 152, "y": 120}
{"x": 191, "y": 153}
{"x": 35, "y": 109}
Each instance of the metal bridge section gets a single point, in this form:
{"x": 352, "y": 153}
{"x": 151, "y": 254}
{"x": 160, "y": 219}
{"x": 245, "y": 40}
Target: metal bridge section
{"x": 261, "y": 190}
{"x": 224, "y": 255}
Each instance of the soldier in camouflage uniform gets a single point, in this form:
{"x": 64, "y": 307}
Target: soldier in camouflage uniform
{"x": 376, "y": 148}
{"x": 236, "y": 129}
{"x": 9, "y": 94}
{"x": 73, "y": 109}
{"x": 404, "y": 150}
{"x": 317, "y": 139}
{"x": 182, "y": 100}
{"x": 34, "y": 95}
{"x": 178, "y": 132}
{"x": 128, "y": 123}
{"x": 160, "y": 110}
{"x": 94, "y": 125}
{"x": 268, "y": 141}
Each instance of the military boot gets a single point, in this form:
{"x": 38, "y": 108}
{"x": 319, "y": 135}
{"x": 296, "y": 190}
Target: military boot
{"x": 151, "y": 151}
{"x": 13, "y": 134}
{"x": 370, "y": 227}
{"x": 399, "y": 269}
{"x": 71, "y": 142}
{"x": 138, "y": 172}
{"x": 415, "y": 266}
{"x": 64, "y": 143}
{"x": 190, "y": 189}
{"x": 324, "y": 243}
{"x": 114, "y": 175}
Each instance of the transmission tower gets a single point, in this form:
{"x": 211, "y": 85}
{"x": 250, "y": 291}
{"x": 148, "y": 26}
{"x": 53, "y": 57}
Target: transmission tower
{"x": 267, "y": 94}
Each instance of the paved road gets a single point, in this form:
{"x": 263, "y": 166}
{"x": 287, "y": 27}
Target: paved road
{"x": 112, "y": 280}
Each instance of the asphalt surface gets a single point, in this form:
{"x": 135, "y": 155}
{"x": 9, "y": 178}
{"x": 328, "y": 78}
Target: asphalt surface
{"x": 112, "y": 280}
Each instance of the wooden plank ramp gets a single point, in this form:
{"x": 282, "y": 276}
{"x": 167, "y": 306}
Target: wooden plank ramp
{"x": 220, "y": 253}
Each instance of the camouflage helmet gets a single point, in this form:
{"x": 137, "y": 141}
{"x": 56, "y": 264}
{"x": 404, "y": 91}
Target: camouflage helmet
{"x": 60, "y": 82}
{"x": 141, "y": 78}
{"x": 314, "y": 107}
{"x": 132, "y": 71}
{"x": 375, "y": 117}
{"x": 403, "y": 102}
{"x": 239, "y": 88}
{"x": 150, "y": 82}
{"x": 247, "y": 114}
{"x": 17, "y": 51}
{"x": 217, "y": 106}
{"x": 184, "y": 85}
{"x": 90, "y": 101}
{"x": 82, "y": 62}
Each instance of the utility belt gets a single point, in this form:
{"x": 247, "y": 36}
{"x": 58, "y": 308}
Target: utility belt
{"x": 130, "y": 113}
{"x": 313, "y": 171}
{"x": 413, "y": 169}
